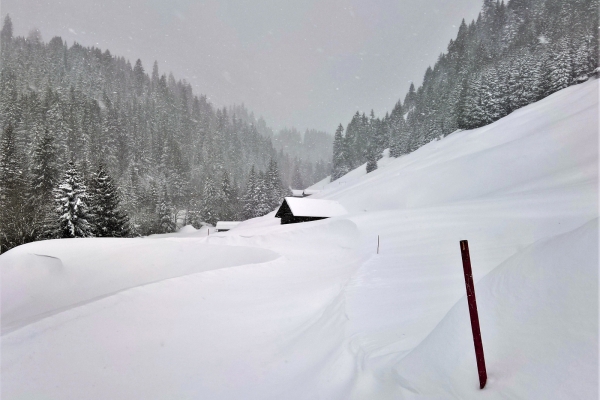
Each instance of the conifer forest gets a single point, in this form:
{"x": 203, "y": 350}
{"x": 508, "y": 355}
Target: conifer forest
{"x": 515, "y": 53}
{"x": 93, "y": 146}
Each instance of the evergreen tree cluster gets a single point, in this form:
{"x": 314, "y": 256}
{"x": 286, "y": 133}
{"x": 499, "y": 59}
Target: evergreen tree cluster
{"x": 514, "y": 54}
{"x": 37, "y": 203}
{"x": 173, "y": 157}
{"x": 263, "y": 192}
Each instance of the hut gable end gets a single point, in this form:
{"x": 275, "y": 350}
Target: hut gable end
{"x": 294, "y": 210}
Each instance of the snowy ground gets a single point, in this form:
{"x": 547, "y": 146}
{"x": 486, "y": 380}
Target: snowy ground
{"x": 310, "y": 310}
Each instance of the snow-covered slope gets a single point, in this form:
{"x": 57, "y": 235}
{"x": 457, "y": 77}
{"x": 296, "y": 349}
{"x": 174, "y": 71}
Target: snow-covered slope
{"x": 310, "y": 310}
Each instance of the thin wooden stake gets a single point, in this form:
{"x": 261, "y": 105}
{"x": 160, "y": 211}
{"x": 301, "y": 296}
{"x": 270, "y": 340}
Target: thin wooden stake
{"x": 377, "y": 244}
{"x": 466, "y": 260}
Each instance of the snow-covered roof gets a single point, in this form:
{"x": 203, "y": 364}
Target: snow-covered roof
{"x": 315, "y": 208}
{"x": 297, "y": 193}
{"x": 226, "y": 224}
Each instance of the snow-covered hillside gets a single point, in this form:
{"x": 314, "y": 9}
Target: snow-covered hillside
{"x": 310, "y": 311}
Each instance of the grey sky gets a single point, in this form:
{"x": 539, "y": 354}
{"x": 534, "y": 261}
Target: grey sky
{"x": 306, "y": 64}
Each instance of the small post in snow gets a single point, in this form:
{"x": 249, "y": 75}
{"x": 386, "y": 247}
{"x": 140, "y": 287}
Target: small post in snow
{"x": 466, "y": 260}
{"x": 377, "y": 244}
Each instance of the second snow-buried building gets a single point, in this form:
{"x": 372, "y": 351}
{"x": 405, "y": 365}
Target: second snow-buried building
{"x": 294, "y": 210}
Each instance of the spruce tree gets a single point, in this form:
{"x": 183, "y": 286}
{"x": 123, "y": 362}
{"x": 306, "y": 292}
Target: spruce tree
{"x": 16, "y": 225}
{"x": 44, "y": 169}
{"x": 263, "y": 200}
{"x": 228, "y": 202}
{"x": 7, "y": 28}
{"x": 274, "y": 186}
{"x": 166, "y": 224}
{"x": 70, "y": 198}
{"x": 210, "y": 201}
{"x": 44, "y": 176}
{"x": 249, "y": 200}
{"x": 371, "y": 164}
{"x": 339, "y": 162}
{"x": 108, "y": 218}
{"x": 139, "y": 75}
{"x": 558, "y": 67}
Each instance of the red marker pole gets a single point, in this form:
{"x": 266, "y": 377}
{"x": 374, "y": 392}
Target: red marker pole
{"x": 466, "y": 260}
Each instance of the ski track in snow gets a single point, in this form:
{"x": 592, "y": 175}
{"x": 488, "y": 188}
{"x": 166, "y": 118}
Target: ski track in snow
{"x": 310, "y": 310}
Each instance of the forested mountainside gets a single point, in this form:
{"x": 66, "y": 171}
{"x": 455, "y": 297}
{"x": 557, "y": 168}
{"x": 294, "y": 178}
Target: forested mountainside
{"x": 514, "y": 54}
{"x": 314, "y": 146}
{"x": 163, "y": 148}
{"x": 306, "y": 157}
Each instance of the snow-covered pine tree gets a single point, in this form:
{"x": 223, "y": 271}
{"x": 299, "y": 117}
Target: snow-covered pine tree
{"x": 139, "y": 76}
{"x": 228, "y": 201}
{"x": 6, "y": 34}
{"x": 263, "y": 198}
{"x": 44, "y": 169}
{"x": 473, "y": 113}
{"x": 371, "y": 165}
{"x": 16, "y": 226}
{"x": 491, "y": 96}
{"x": 166, "y": 224}
{"x": 249, "y": 199}
{"x": 44, "y": 175}
{"x": 379, "y": 131}
{"x": 410, "y": 98}
{"x": 104, "y": 203}
{"x": 396, "y": 125}
{"x": 558, "y": 67}
{"x": 339, "y": 162}
{"x": 373, "y": 152}
{"x": 210, "y": 201}
{"x": 353, "y": 142}
{"x": 70, "y": 198}
{"x": 523, "y": 80}
{"x": 58, "y": 125}
{"x": 580, "y": 56}
{"x": 275, "y": 188}
{"x": 395, "y": 145}
{"x": 9, "y": 104}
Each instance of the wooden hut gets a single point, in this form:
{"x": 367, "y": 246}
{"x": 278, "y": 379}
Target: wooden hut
{"x": 294, "y": 210}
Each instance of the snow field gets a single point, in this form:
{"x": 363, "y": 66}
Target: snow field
{"x": 59, "y": 274}
{"x": 308, "y": 311}
{"x": 539, "y": 318}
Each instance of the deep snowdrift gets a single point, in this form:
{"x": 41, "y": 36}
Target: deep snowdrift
{"x": 539, "y": 321}
{"x": 311, "y": 311}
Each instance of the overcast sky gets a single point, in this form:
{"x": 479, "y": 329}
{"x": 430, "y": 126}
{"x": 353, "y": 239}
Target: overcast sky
{"x": 302, "y": 63}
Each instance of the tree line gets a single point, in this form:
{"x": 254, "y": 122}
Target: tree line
{"x": 170, "y": 154}
{"x": 512, "y": 55}
{"x": 39, "y": 204}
